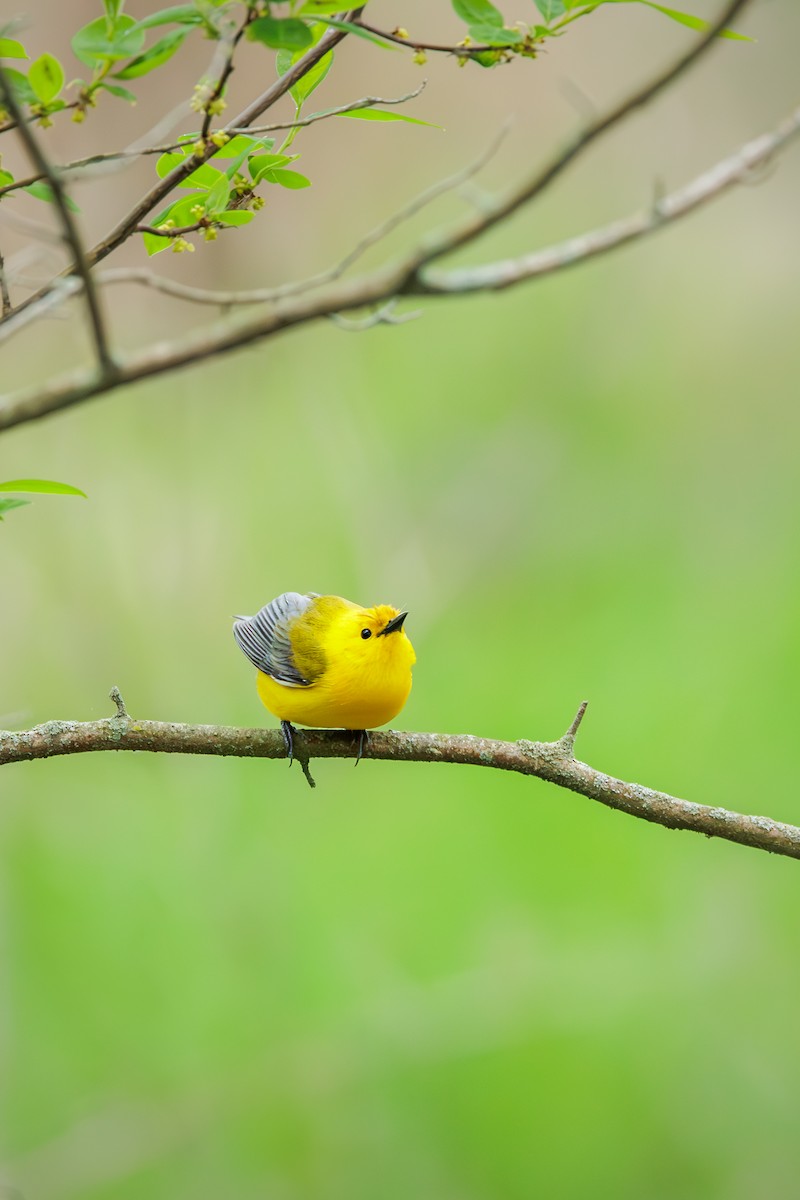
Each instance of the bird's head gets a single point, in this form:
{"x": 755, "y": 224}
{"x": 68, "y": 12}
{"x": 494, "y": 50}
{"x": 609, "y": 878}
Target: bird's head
{"x": 377, "y": 636}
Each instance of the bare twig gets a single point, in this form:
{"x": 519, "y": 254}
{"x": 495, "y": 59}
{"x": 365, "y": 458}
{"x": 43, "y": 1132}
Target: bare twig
{"x": 384, "y": 315}
{"x": 340, "y": 110}
{"x": 71, "y": 236}
{"x": 225, "y": 73}
{"x": 730, "y": 172}
{"x": 29, "y": 120}
{"x": 550, "y": 761}
{"x": 459, "y": 50}
{"x": 6, "y": 298}
{"x": 61, "y": 291}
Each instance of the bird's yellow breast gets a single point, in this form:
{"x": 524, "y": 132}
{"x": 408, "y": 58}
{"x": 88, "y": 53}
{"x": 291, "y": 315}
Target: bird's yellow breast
{"x": 363, "y": 683}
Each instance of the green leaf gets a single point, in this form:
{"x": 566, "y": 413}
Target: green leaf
{"x": 48, "y": 486}
{"x": 159, "y": 53}
{"x": 43, "y": 191}
{"x": 167, "y": 162}
{"x": 351, "y": 27}
{"x": 10, "y": 48}
{"x": 552, "y": 8}
{"x": 154, "y": 244}
{"x": 309, "y": 82}
{"x": 178, "y": 14}
{"x": 107, "y": 40}
{"x": 315, "y": 8}
{"x": 46, "y": 77}
{"x": 237, "y": 145}
{"x": 478, "y": 12}
{"x": 113, "y": 7}
{"x": 5, "y": 178}
{"x": 697, "y": 23}
{"x": 493, "y": 35}
{"x": 218, "y": 196}
{"x": 694, "y": 22}
{"x": 19, "y": 85}
{"x": 7, "y": 505}
{"x": 180, "y": 212}
{"x": 122, "y": 92}
{"x": 380, "y": 114}
{"x": 260, "y": 163}
{"x": 281, "y": 33}
{"x": 487, "y": 58}
{"x": 237, "y": 216}
{"x": 287, "y": 179}
{"x": 204, "y": 176}
{"x": 312, "y": 78}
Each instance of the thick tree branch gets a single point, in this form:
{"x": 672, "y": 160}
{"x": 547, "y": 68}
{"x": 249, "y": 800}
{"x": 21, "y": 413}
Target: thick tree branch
{"x": 553, "y": 762}
{"x": 70, "y": 234}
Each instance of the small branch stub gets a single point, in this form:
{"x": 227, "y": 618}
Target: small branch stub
{"x": 568, "y": 740}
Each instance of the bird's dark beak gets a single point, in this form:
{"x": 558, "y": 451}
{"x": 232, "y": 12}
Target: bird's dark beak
{"x": 395, "y": 624}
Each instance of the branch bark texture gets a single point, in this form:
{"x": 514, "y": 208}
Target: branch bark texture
{"x": 553, "y": 762}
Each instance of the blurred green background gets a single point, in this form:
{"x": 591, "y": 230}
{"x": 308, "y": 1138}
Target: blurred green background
{"x": 420, "y": 981}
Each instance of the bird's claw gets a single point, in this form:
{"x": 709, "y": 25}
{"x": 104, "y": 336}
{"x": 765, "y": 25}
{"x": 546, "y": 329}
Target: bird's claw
{"x": 363, "y": 740}
{"x": 288, "y": 739}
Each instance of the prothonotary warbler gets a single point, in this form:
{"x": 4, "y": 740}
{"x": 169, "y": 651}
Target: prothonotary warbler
{"x": 324, "y": 661}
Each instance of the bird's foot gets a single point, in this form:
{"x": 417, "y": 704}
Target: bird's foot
{"x": 287, "y": 729}
{"x": 363, "y": 741}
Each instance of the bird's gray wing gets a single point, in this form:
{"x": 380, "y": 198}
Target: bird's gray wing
{"x": 264, "y": 638}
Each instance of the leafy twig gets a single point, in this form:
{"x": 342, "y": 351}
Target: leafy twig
{"x": 80, "y": 166}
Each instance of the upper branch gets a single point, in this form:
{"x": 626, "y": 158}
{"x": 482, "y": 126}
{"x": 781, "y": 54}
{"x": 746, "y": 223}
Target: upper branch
{"x": 292, "y": 308}
{"x": 71, "y": 236}
{"x": 550, "y": 761}
{"x": 476, "y": 224}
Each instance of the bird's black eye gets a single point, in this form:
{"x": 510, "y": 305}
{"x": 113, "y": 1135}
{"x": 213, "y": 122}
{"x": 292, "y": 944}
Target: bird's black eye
{"x": 366, "y": 633}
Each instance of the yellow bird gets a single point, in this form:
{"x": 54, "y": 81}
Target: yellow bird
{"x": 326, "y": 662}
